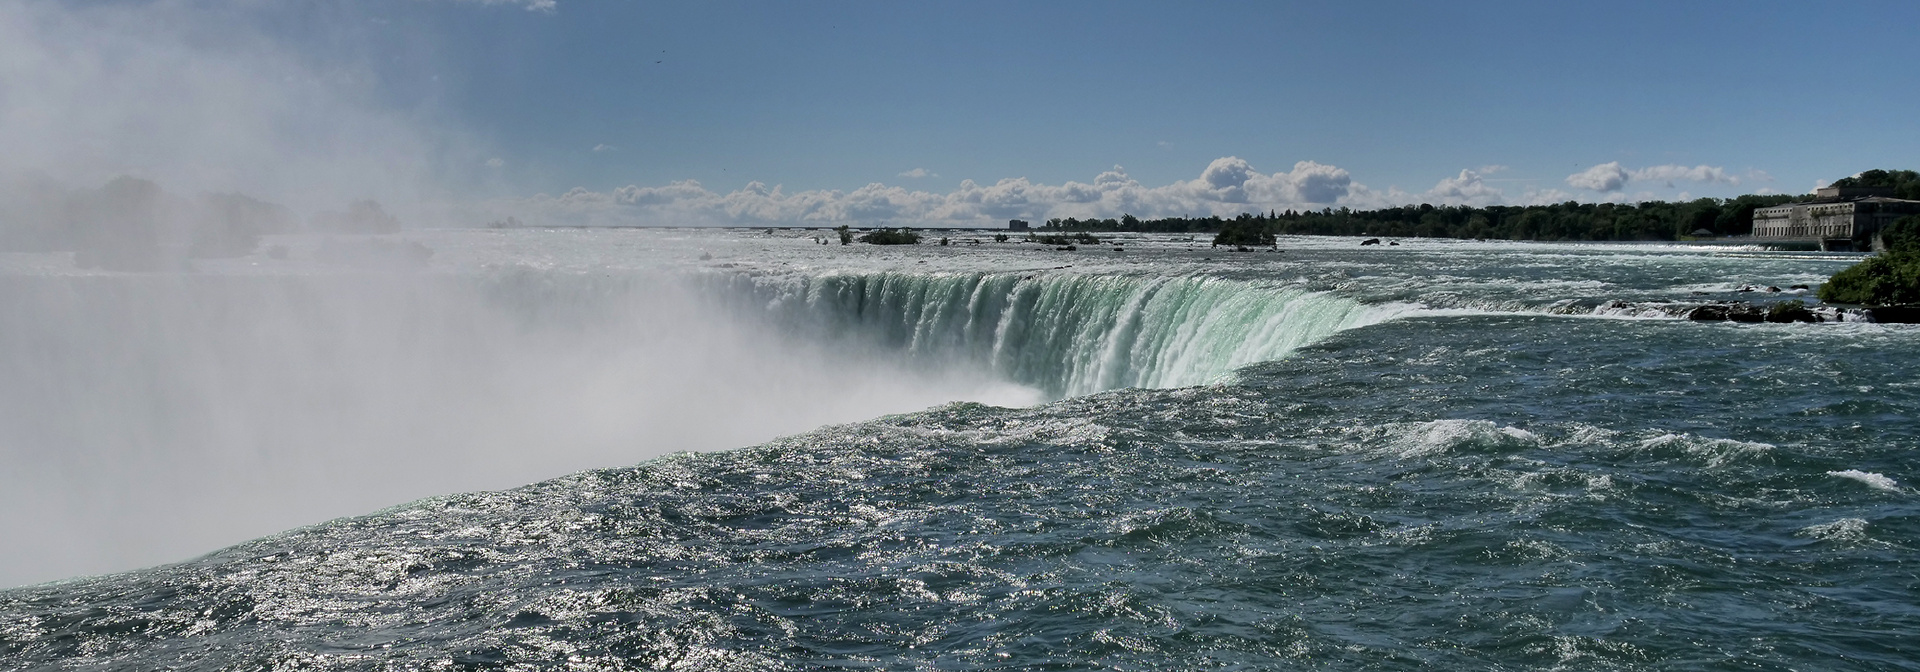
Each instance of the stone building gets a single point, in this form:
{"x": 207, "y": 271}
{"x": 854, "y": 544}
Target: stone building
{"x": 1841, "y": 218}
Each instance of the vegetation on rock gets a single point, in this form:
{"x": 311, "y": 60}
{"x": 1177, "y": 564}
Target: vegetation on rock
{"x": 1244, "y": 230}
{"x": 1081, "y": 238}
{"x": 891, "y": 237}
{"x": 1886, "y": 279}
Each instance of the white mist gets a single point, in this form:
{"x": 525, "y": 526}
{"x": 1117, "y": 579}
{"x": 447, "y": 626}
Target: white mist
{"x": 149, "y": 418}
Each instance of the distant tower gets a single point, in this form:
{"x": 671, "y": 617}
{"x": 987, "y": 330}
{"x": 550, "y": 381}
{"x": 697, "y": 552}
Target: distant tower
{"x": 1016, "y": 225}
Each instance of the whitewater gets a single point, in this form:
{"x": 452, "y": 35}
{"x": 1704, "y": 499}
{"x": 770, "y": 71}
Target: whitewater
{"x": 745, "y": 449}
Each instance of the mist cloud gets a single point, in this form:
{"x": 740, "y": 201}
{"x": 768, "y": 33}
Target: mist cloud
{"x": 192, "y": 96}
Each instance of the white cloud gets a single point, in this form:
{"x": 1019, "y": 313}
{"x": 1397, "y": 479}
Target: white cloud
{"x": 919, "y": 173}
{"x": 495, "y": 162}
{"x": 531, "y": 5}
{"x": 1544, "y": 197}
{"x": 1611, "y": 176}
{"x": 604, "y": 147}
{"x": 1604, "y": 177}
{"x": 1673, "y": 173}
{"x": 1465, "y": 189}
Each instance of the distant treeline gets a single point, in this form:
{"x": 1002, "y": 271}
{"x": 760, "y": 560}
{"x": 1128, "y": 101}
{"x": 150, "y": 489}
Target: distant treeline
{"x": 1654, "y": 220}
{"x": 1904, "y": 183}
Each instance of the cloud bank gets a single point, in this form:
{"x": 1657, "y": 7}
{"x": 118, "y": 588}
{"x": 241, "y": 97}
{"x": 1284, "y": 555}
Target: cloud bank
{"x": 197, "y": 97}
{"x": 1227, "y": 187}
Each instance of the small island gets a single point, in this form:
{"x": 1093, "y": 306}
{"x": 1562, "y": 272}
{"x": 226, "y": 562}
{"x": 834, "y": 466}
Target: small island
{"x": 1890, "y": 278}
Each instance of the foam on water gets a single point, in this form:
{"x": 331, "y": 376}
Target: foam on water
{"x": 1442, "y": 436}
{"x": 1872, "y": 480}
{"x": 1710, "y": 452}
{"x": 1852, "y": 530}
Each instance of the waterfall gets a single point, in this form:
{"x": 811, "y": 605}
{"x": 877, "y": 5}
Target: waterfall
{"x": 1064, "y": 334}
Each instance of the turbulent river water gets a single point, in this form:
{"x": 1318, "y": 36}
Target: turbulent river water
{"x": 1431, "y": 455}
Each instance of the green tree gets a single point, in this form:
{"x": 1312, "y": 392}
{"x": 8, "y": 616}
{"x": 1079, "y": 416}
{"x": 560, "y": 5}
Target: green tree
{"x": 1904, "y": 183}
{"x": 1244, "y": 230}
{"x": 1889, "y": 278}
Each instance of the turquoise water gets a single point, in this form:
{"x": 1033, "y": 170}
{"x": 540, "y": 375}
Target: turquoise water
{"x": 1431, "y": 456}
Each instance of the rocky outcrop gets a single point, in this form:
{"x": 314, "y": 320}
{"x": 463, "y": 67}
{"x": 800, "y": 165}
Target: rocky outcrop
{"x": 1902, "y": 314}
{"x": 1755, "y": 312}
{"x": 1777, "y": 312}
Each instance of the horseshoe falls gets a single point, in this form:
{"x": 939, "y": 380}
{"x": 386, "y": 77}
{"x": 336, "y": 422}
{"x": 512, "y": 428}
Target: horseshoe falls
{"x": 743, "y": 450}
{"x": 1067, "y": 334}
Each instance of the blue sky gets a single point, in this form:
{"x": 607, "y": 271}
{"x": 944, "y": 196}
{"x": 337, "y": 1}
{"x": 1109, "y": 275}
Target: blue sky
{"x": 972, "y": 112}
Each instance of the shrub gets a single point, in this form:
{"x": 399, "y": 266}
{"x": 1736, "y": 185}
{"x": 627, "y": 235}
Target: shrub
{"x": 891, "y": 237}
{"x": 1902, "y": 234}
{"x": 1244, "y": 232}
{"x": 1889, "y": 278}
